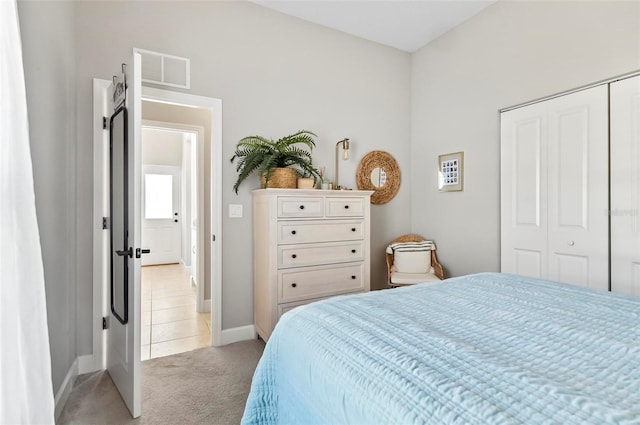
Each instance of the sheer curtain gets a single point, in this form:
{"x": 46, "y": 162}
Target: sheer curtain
{"x": 26, "y": 393}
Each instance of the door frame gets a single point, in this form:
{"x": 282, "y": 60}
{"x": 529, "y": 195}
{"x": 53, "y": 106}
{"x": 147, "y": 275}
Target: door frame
{"x": 201, "y": 305}
{"x": 100, "y": 156}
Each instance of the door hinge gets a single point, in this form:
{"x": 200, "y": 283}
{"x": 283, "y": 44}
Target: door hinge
{"x": 104, "y": 123}
{"x": 105, "y": 323}
{"x": 105, "y": 223}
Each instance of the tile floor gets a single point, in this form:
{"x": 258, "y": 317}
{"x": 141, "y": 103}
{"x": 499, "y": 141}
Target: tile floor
{"x": 170, "y": 323}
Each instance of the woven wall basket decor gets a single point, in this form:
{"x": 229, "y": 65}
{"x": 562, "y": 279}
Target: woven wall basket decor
{"x": 370, "y": 165}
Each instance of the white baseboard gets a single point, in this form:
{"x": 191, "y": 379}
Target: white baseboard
{"x": 65, "y": 389}
{"x": 206, "y": 306}
{"x": 81, "y": 365}
{"x": 86, "y": 364}
{"x": 242, "y": 333}
{"x": 184, "y": 264}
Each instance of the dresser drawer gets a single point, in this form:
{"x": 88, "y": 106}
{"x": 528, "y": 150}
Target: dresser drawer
{"x": 283, "y": 308}
{"x": 289, "y": 206}
{"x": 344, "y": 207}
{"x": 293, "y": 232}
{"x": 326, "y": 253}
{"x": 315, "y": 282}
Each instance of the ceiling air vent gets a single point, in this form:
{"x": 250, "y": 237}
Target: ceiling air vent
{"x": 165, "y": 70}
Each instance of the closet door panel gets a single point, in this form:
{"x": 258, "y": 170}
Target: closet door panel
{"x": 578, "y": 188}
{"x": 523, "y": 192}
{"x": 528, "y": 262}
{"x": 625, "y": 186}
{"x": 571, "y": 268}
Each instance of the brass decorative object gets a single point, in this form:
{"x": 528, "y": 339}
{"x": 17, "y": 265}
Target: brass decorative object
{"x": 379, "y": 171}
{"x": 344, "y": 143}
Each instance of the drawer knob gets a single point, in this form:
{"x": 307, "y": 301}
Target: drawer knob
{"x": 353, "y": 229}
{"x": 353, "y": 277}
{"x": 301, "y": 207}
{"x": 353, "y": 251}
{"x": 293, "y": 285}
{"x": 346, "y": 207}
{"x": 293, "y": 256}
{"x": 293, "y": 232}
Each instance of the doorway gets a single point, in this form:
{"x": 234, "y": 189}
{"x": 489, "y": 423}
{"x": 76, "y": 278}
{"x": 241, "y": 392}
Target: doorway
{"x": 174, "y": 319}
{"x": 187, "y": 113}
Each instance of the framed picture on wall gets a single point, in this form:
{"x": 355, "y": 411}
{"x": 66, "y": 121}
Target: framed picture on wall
{"x": 451, "y": 172}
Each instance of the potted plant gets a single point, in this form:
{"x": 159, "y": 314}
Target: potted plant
{"x": 274, "y": 159}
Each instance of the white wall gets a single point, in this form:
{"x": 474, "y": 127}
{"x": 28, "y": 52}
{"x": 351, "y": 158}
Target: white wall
{"x": 275, "y": 74}
{"x": 161, "y": 147}
{"x": 510, "y": 53}
{"x": 48, "y": 41}
{"x": 187, "y": 185}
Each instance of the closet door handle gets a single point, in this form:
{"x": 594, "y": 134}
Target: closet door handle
{"x": 353, "y": 277}
{"x": 353, "y": 229}
{"x": 353, "y": 251}
{"x": 294, "y": 256}
{"x": 301, "y": 207}
{"x": 128, "y": 252}
{"x": 293, "y": 232}
{"x": 293, "y": 285}
{"x": 346, "y": 207}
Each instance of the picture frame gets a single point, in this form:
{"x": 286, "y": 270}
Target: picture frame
{"x": 451, "y": 172}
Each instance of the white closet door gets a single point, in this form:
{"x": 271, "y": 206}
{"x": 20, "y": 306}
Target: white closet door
{"x": 625, "y": 186}
{"x": 524, "y": 191}
{"x": 554, "y": 189}
{"x": 578, "y": 244}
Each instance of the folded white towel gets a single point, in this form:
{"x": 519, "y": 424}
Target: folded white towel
{"x": 411, "y": 247}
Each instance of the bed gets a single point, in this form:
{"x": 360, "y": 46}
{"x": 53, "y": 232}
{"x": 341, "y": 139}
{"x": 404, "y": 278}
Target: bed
{"x": 480, "y": 349}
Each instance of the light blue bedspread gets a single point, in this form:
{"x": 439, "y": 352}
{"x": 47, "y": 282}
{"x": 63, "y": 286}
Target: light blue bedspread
{"x": 480, "y": 349}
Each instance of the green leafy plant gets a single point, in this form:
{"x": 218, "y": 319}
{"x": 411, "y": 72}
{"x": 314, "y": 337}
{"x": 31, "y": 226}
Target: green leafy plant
{"x": 304, "y": 174}
{"x": 257, "y": 153}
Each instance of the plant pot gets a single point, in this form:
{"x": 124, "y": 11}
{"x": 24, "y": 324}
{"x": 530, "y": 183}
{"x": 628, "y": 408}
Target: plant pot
{"x": 284, "y": 178}
{"x": 306, "y": 183}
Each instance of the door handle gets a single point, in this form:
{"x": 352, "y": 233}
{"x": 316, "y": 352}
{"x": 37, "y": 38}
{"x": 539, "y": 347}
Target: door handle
{"x": 128, "y": 252}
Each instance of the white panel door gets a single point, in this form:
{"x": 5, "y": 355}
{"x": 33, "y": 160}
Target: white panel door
{"x": 161, "y": 231}
{"x": 524, "y": 191}
{"x": 554, "y": 189}
{"x": 123, "y": 338}
{"x": 578, "y": 236}
{"x": 625, "y": 186}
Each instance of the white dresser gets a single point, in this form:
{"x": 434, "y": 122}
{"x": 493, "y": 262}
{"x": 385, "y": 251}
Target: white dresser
{"x": 307, "y": 245}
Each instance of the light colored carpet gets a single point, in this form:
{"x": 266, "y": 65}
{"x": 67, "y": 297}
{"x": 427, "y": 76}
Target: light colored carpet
{"x": 206, "y": 386}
